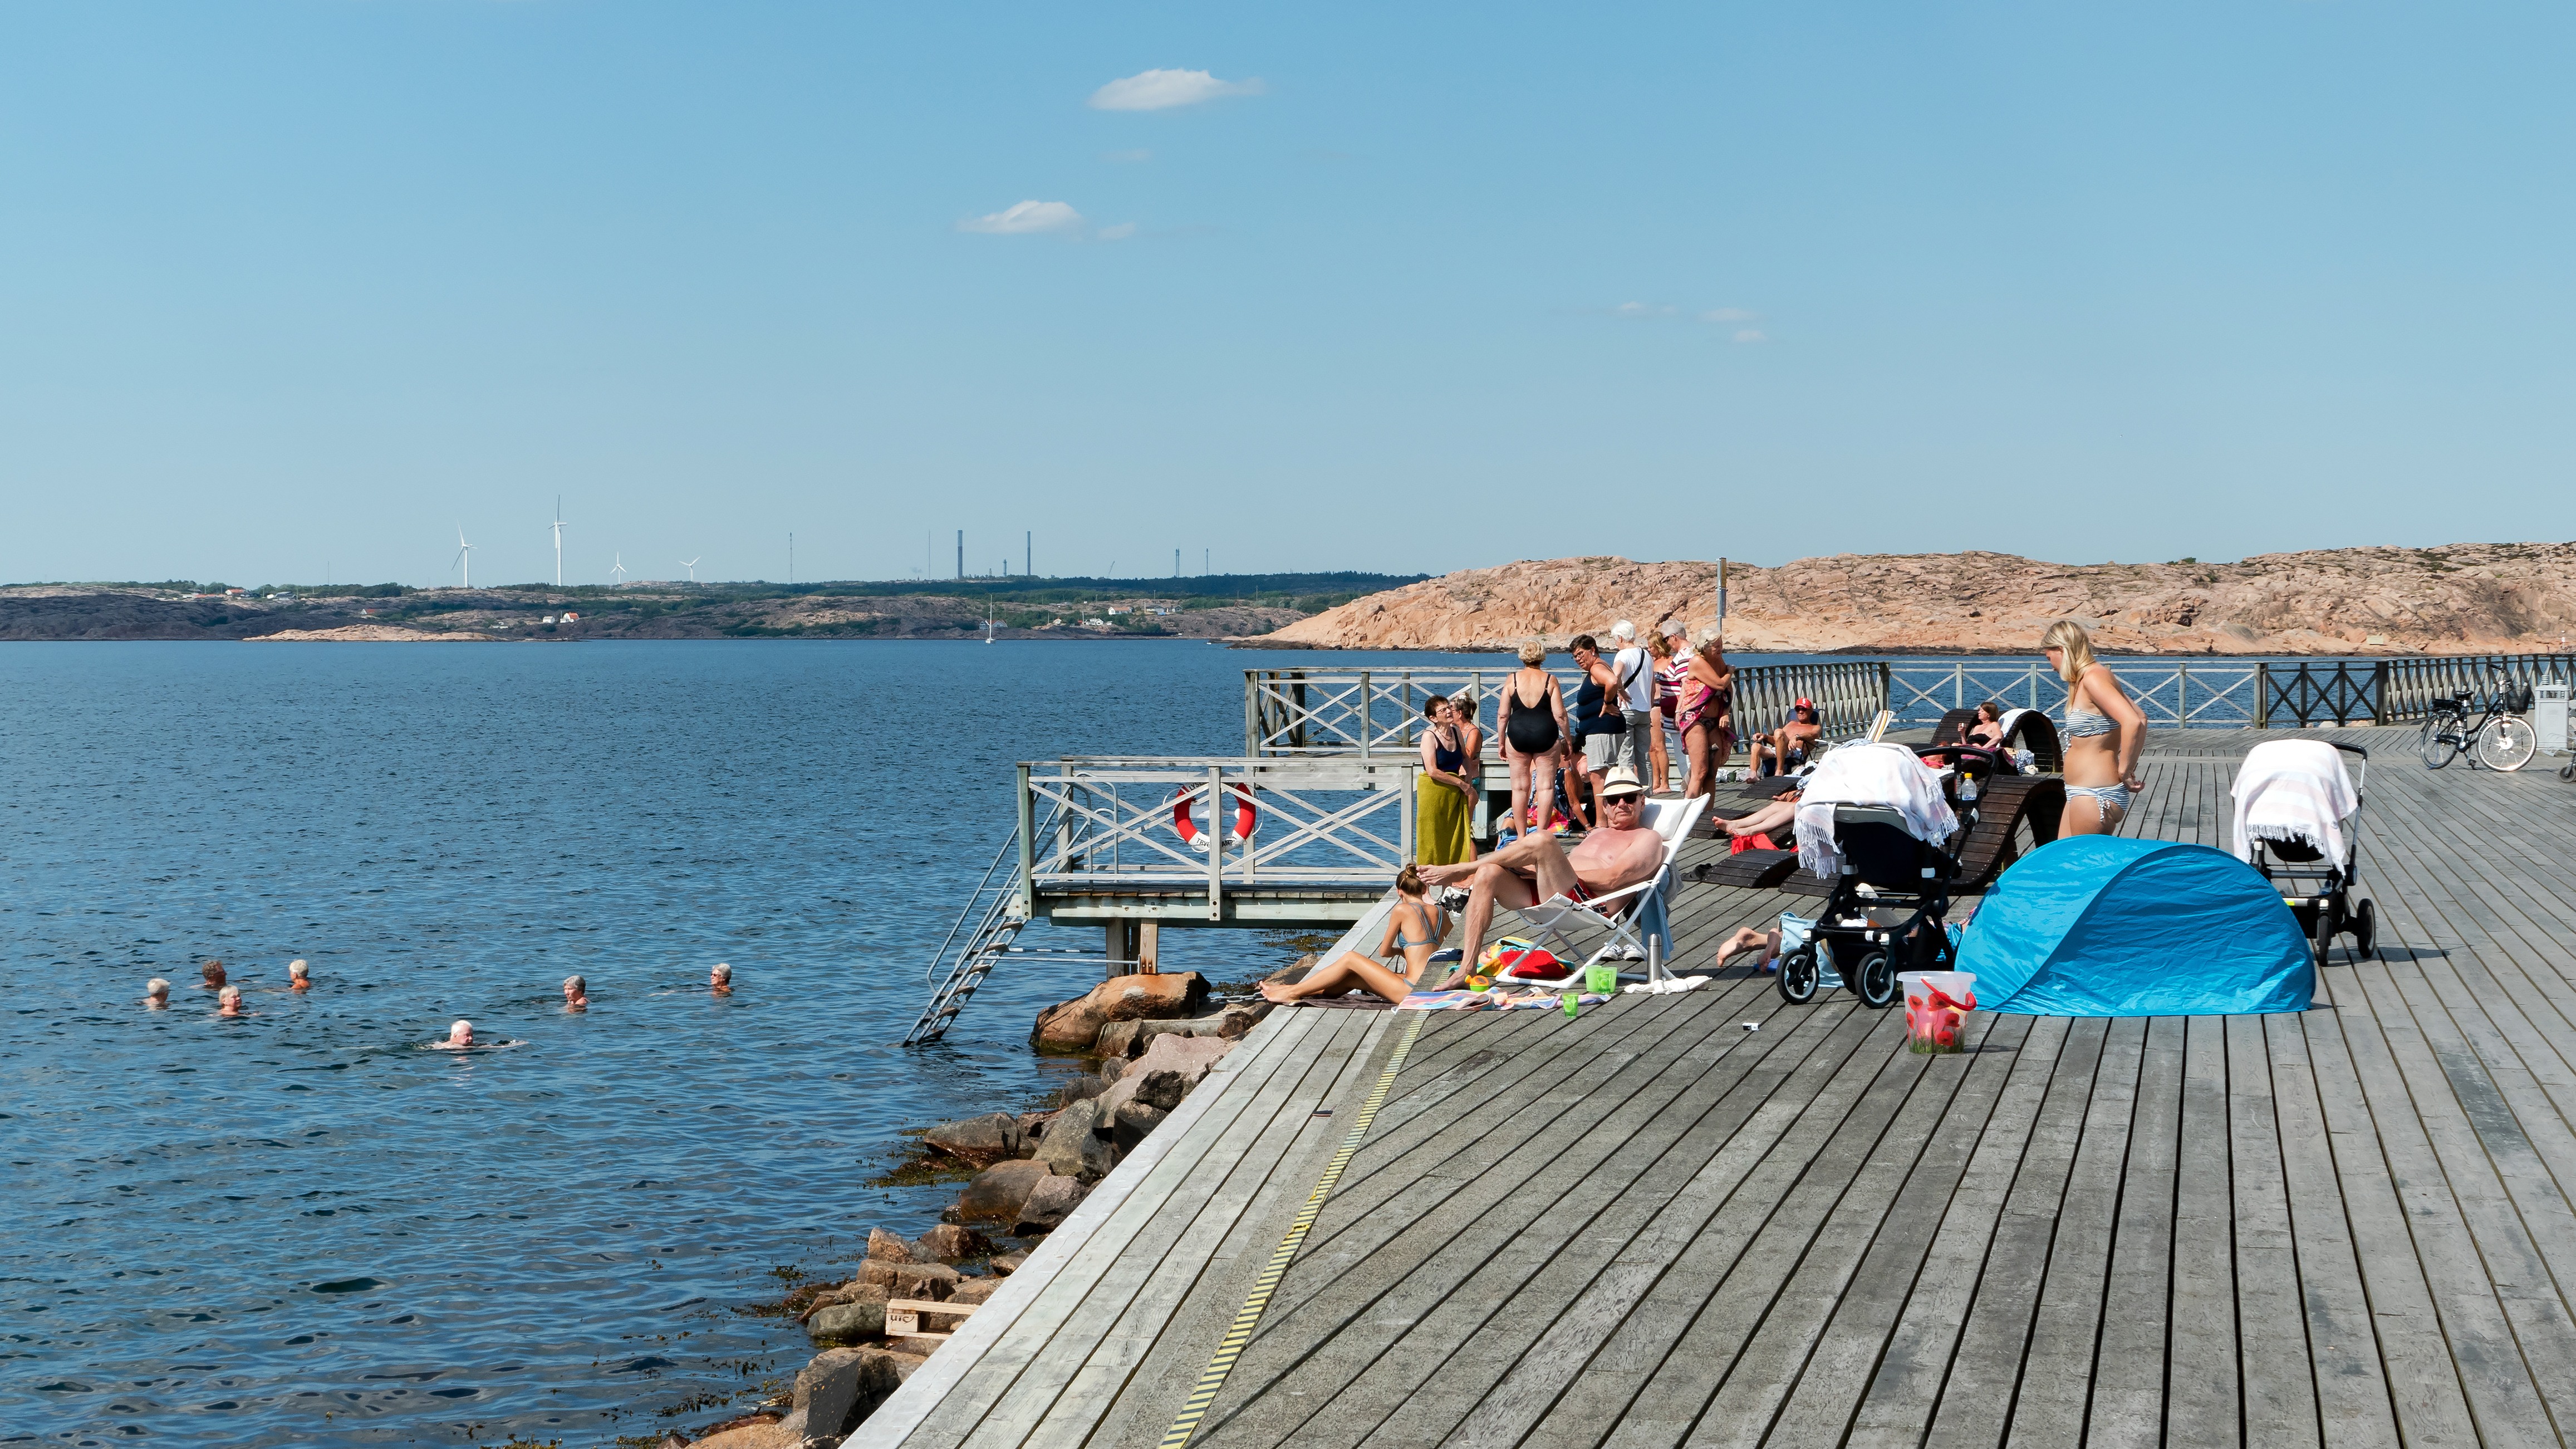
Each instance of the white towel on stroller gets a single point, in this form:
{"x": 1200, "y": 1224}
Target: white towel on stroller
{"x": 2293, "y": 790}
{"x": 1869, "y": 774}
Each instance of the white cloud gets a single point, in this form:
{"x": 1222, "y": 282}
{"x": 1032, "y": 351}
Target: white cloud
{"x": 1749, "y": 335}
{"x": 1028, "y": 216}
{"x": 1726, "y": 314}
{"x": 1135, "y": 157}
{"x": 1160, "y": 90}
{"x": 1640, "y": 309}
{"x": 1120, "y": 232}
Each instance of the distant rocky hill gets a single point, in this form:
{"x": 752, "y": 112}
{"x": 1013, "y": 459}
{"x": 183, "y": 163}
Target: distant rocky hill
{"x": 2456, "y": 598}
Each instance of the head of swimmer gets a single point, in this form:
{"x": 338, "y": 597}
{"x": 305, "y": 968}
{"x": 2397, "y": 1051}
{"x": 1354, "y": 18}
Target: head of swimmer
{"x": 213, "y": 972}
{"x": 720, "y": 979}
{"x": 299, "y": 975}
{"x": 576, "y": 993}
{"x": 157, "y": 993}
{"x": 460, "y": 1034}
{"x": 230, "y": 997}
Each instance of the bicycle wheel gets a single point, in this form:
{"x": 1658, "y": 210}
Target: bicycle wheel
{"x": 2439, "y": 742}
{"x": 2508, "y": 743}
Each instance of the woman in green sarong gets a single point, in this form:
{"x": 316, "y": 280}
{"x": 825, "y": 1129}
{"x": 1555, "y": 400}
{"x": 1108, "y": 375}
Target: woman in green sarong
{"x": 1445, "y": 793}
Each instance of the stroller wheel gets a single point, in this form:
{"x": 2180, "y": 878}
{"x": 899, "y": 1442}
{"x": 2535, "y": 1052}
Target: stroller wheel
{"x": 2365, "y": 928}
{"x": 1797, "y": 978}
{"x": 1875, "y": 981}
{"x": 2567, "y": 772}
{"x": 2325, "y": 931}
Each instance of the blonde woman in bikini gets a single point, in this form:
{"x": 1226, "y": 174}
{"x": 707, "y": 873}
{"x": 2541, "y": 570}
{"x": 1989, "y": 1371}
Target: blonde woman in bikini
{"x": 2104, "y": 735}
{"x": 1413, "y": 932}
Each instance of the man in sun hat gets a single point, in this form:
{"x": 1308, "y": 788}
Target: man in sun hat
{"x": 1620, "y": 851}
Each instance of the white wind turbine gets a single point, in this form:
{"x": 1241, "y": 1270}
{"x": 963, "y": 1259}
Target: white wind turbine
{"x": 465, "y": 555}
{"x": 620, "y": 570}
{"x": 559, "y": 522}
{"x": 691, "y": 564}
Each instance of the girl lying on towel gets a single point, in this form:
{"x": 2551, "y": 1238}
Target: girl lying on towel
{"x": 1413, "y": 932}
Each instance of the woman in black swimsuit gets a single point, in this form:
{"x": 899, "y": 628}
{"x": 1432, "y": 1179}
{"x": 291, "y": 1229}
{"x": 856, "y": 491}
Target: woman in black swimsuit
{"x": 1534, "y": 731}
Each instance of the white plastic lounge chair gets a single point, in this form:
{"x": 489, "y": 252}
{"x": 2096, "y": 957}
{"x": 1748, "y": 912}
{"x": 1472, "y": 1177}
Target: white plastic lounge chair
{"x": 1630, "y": 911}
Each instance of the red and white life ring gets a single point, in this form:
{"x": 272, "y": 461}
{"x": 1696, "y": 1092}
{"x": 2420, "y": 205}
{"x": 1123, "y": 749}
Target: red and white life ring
{"x": 1244, "y": 817}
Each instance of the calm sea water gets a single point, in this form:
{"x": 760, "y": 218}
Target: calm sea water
{"x": 303, "y": 1227}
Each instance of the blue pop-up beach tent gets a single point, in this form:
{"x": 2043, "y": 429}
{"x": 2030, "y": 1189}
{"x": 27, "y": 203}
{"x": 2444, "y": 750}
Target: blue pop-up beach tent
{"x": 2096, "y": 925}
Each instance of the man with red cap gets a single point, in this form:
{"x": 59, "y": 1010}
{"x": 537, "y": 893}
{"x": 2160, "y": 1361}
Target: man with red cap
{"x": 1787, "y": 747}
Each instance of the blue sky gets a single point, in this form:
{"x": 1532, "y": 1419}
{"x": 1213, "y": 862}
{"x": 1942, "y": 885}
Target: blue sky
{"x": 295, "y": 286}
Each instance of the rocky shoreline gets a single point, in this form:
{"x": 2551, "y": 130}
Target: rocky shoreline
{"x": 1149, "y": 1040}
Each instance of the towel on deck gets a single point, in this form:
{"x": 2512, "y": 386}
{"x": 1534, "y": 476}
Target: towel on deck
{"x": 1869, "y": 774}
{"x": 2293, "y": 790}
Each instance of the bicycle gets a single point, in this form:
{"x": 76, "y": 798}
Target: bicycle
{"x": 2501, "y": 739}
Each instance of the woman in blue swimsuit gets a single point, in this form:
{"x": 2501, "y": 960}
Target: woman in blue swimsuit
{"x": 1413, "y": 932}
{"x": 2105, "y": 732}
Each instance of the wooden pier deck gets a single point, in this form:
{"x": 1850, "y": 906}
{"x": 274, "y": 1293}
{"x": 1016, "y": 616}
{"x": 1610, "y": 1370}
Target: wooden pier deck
{"x": 1653, "y": 1226}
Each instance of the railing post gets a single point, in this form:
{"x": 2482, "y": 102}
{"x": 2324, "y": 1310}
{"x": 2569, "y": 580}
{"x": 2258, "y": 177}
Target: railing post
{"x": 1028, "y": 848}
{"x": 2262, "y": 696}
{"x": 1404, "y": 815}
{"x": 1252, "y": 715}
{"x": 1366, "y": 728}
{"x": 1216, "y": 831}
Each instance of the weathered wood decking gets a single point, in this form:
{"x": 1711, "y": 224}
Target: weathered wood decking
{"x": 1653, "y": 1226}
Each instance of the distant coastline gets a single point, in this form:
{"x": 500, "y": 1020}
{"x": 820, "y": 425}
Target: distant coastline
{"x": 1206, "y": 607}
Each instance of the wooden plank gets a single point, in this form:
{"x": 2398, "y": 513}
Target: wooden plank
{"x": 2268, "y": 1330}
{"x": 2057, "y": 1371}
{"x": 2200, "y": 1402}
{"x": 2127, "y": 1406}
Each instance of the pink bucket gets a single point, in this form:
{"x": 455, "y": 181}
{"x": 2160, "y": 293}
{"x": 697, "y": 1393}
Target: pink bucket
{"x": 1937, "y": 1004}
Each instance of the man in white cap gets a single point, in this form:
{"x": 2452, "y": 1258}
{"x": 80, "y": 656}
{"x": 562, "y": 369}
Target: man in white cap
{"x": 1635, "y": 669}
{"x": 1620, "y": 851}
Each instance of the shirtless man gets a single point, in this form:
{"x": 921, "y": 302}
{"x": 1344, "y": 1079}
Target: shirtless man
{"x": 576, "y": 994}
{"x": 1788, "y": 747}
{"x": 157, "y": 995}
{"x": 460, "y": 1037}
{"x": 213, "y": 974}
{"x": 299, "y": 976}
{"x": 1618, "y": 852}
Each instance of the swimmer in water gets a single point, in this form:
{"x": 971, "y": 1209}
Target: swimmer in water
{"x": 459, "y": 1038}
{"x": 576, "y": 994}
{"x": 213, "y": 971}
{"x": 230, "y": 996}
{"x": 720, "y": 980}
{"x": 299, "y": 975}
{"x": 157, "y": 994}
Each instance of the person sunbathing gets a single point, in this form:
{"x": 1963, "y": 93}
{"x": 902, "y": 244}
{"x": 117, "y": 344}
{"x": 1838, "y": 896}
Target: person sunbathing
{"x": 1789, "y": 746}
{"x": 1413, "y": 932}
{"x": 1779, "y": 815}
{"x": 1988, "y": 728}
{"x": 1750, "y": 938}
{"x": 1617, "y": 853}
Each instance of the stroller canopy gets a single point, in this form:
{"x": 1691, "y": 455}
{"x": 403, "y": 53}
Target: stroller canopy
{"x": 2294, "y": 790}
{"x": 2097, "y": 925}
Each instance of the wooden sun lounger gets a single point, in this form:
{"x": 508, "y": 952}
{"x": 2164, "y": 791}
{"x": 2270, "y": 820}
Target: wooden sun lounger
{"x": 1988, "y": 851}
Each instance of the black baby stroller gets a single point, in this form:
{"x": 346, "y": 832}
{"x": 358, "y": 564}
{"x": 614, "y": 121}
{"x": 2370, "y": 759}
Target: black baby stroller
{"x": 2296, "y": 813}
{"x": 1890, "y": 890}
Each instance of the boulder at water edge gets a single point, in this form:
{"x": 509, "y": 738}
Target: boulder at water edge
{"x": 948, "y": 1242}
{"x": 842, "y": 1386}
{"x": 975, "y": 1290}
{"x": 997, "y": 1192}
{"x": 1167, "y": 1070}
{"x": 756, "y": 1434}
{"x": 886, "y": 1247}
{"x": 860, "y": 1313}
{"x": 1073, "y": 1026}
{"x": 1047, "y": 1207}
{"x": 1073, "y": 1146}
{"x": 992, "y": 1137}
{"x": 931, "y": 1282}
{"x": 1134, "y": 1122}
{"x": 1008, "y": 1263}
{"x": 1131, "y": 1038}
